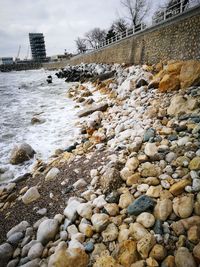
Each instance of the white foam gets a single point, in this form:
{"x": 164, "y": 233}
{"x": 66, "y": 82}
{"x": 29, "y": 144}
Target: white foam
{"x": 24, "y": 94}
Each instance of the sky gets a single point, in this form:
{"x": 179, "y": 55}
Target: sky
{"x": 60, "y": 21}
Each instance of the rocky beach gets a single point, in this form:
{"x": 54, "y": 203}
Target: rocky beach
{"x": 126, "y": 193}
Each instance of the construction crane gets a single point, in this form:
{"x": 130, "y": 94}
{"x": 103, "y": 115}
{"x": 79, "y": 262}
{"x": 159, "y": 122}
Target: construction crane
{"x": 17, "y": 57}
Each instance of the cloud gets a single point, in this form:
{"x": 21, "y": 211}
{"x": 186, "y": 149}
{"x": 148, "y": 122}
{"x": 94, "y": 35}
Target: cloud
{"x": 61, "y": 22}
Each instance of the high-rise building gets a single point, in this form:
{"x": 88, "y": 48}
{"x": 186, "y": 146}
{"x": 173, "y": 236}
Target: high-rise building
{"x": 37, "y": 44}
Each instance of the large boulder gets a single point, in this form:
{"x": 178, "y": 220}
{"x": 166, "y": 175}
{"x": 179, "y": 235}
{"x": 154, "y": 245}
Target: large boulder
{"x": 190, "y": 73}
{"x": 21, "y": 153}
{"x": 181, "y": 105}
{"x": 170, "y": 82}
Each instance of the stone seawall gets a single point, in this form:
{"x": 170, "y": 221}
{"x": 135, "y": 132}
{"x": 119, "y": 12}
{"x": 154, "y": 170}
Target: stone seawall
{"x": 18, "y": 67}
{"x": 178, "y": 38}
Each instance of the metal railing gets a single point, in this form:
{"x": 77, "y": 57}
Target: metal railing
{"x": 162, "y": 16}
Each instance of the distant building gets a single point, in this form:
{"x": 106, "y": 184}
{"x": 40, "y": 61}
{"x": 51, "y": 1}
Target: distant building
{"x": 37, "y": 44}
{"x": 64, "y": 57}
{"x": 6, "y": 60}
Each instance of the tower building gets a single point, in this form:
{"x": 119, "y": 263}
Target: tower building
{"x": 37, "y": 44}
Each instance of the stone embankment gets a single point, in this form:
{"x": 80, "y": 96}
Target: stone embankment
{"x": 129, "y": 194}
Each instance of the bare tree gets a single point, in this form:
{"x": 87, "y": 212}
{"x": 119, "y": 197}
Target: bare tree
{"x": 120, "y": 25}
{"x": 95, "y": 37}
{"x": 136, "y": 10}
{"x": 80, "y": 44}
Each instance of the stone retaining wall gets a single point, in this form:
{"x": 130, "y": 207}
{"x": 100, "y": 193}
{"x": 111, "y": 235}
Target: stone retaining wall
{"x": 178, "y": 38}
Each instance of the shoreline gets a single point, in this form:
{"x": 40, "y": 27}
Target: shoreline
{"x": 140, "y": 142}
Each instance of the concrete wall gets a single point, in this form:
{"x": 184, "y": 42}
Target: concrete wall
{"x": 178, "y": 38}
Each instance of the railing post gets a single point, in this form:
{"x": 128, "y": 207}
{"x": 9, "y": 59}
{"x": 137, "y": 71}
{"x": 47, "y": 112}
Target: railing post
{"x": 164, "y": 14}
{"x": 181, "y": 7}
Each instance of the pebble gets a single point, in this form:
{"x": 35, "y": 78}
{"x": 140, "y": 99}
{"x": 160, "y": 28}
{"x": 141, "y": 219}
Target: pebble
{"x": 146, "y": 219}
{"x": 85, "y": 210}
{"x": 143, "y": 203}
{"x": 35, "y": 251}
{"x": 31, "y": 195}
{"x": 100, "y": 221}
{"x": 163, "y": 209}
{"x": 47, "y": 231}
{"x": 15, "y": 238}
{"x": 151, "y": 150}
{"x": 110, "y": 233}
{"x": 21, "y": 227}
{"x": 51, "y": 175}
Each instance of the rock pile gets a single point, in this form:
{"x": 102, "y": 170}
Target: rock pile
{"x": 142, "y": 208}
{"x": 85, "y": 72}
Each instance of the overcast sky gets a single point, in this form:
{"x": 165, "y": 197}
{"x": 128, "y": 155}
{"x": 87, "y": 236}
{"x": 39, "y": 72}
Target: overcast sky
{"x": 61, "y": 21}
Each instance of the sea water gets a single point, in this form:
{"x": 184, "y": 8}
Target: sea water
{"x": 24, "y": 95}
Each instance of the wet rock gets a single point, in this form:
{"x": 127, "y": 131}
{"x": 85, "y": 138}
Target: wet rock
{"x": 47, "y": 230}
{"x": 183, "y": 258}
{"x": 52, "y": 173}
{"x": 21, "y": 153}
{"x": 6, "y": 252}
{"x": 142, "y": 204}
{"x": 31, "y": 195}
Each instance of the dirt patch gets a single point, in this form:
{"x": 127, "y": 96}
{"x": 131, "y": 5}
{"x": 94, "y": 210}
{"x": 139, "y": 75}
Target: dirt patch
{"x": 70, "y": 171}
